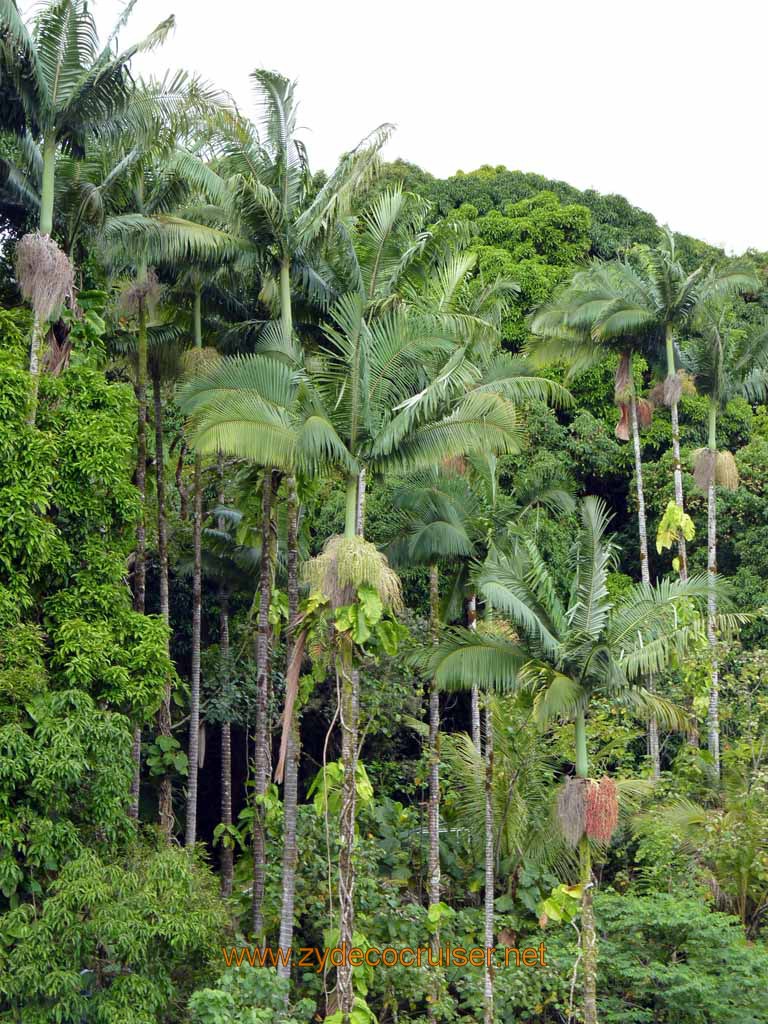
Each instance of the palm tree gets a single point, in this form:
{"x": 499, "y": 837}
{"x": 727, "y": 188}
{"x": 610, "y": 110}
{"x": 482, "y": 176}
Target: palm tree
{"x": 289, "y": 221}
{"x": 569, "y": 649}
{"x": 650, "y": 299}
{"x": 259, "y": 408}
{"x": 293, "y": 744}
{"x": 152, "y": 227}
{"x": 163, "y": 360}
{"x": 64, "y": 91}
{"x": 565, "y": 333}
{"x": 524, "y": 830}
{"x": 725, "y": 362}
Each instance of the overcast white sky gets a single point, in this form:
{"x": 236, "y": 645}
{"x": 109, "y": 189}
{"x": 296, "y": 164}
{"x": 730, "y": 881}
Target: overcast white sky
{"x": 659, "y": 100}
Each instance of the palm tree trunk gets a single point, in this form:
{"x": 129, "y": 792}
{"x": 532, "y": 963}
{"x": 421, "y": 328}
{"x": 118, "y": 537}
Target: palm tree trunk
{"x": 490, "y": 874}
{"x": 349, "y": 713}
{"x": 433, "y": 869}
{"x": 350, "y": 682}
{"x": 133, "y": 807}
{"x": 45, "y": 226}
{"x": 197, "y": 610}
{"x": 360, "y": 511}
{"x": 677, "y": 465}
{"x": 433, "y": 861}
{"x": 194, "y": 682}
{"x": 588, "y": 931}
{"x": 653, "y": 725}
{"x": 713, "y": 712}
{"x": 165, "y": 795}
{"x": 227, "y": 862}
{"x": 261, "y": 753}
{"x": 140, "y": 564}
{"x": 475, "y": 693}
{"x": 290, "y": 788}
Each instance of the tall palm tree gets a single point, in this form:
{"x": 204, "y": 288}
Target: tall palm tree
{"x": 564, "y": 331}
{"x": 461, "y": 518}
{"x": 163, "y": 357}
{"x": 65, "y": 90}
{"x": 289, "y": 221}
{"x": 153, "y": 224}
{"x": 569, "y": 649}
{"x": 726, "y": 361}
{"x": 523, "y": 778}
{"x": 651, "y": 299}
{"x": 259, "y": 408}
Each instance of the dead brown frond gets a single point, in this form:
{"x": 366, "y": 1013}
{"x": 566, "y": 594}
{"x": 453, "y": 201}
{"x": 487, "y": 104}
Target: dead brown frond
{"x": 45, "y": 274}
{"x": 726, "y": 471}
{"x": 140, "y": 295}
{"x": 291, "y": 692}
{"x": 622, "y": 385}
{"x": 644, "y": 412}
{"x": 668, "y": 391}
{"x": 704, "y": 460}
{"x": 572, "y": 809}
{"x": 455, "y": 465}
{"x": 347, "y": 563}
{"x": 199, "y": 360}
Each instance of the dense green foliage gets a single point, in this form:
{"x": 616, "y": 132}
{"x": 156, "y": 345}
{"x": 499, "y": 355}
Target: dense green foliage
{"x": 267, "y": 391}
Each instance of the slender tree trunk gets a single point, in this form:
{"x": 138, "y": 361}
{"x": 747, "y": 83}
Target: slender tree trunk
{"x": 290, "y": 788}
{"x": 677, "y": 465}
{"x": 349, "y": 713}
{"x": 588, "y": 931}
{"x": 133, "y": 807}
{"x": 165, "y": 794}
{"x": 490, "y": 879}
{"x": 433, "y": 870}
{"x": 194, "y": 684}
{"x": 475, "y": 693}
{"x": 433, "y": 861}
{"x": 713, "y": 713}
{"x": 45, "y": 227}
{"x": 349, "y": 727}
{"x": 35, "y": 360}
{"x": 286, "y": 310}
{"x": 197, "y": 610}
{"x": 653, "y": 725}
{"x": 227, "y": 862}
{"x": 261, "y": 754}
{"x": 140, "y": 565}
{"x": 227, "y": 851}
{"x": 360, "y": 512}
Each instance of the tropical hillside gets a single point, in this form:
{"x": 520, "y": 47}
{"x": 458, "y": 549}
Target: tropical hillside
{"x": 383, "y": 575}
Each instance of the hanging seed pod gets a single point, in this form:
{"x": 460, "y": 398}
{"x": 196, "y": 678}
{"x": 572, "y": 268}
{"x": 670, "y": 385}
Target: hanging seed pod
{"x": 571, "y": 809}
{"x": 140, "y": 294}
{"x": 704, "y": 460}
{"x": 602, "y": 810}
{"x": 44, "y": 273}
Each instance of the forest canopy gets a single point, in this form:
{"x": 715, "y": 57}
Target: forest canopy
{"x": 383, "y": 567}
